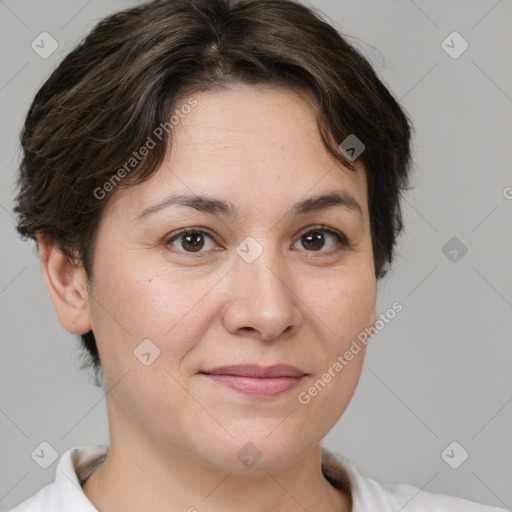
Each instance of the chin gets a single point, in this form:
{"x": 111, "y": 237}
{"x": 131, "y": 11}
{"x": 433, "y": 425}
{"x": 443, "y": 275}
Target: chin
{"x": 257, "y": 451}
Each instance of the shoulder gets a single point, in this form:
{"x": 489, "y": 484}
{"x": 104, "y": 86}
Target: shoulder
{"x": 43, "y": 500}
{"x": 65, "y": 493}
{"x": 414, "y": 499}
{"x": 370, "y": 494}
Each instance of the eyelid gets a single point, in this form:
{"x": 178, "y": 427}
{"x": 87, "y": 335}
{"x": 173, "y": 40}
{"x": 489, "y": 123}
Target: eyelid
{"x": 186, "y": 231}
{"x": 323, "y": 227}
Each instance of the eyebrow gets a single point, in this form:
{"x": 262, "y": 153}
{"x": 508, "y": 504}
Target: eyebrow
{"x": 213, "y": 206}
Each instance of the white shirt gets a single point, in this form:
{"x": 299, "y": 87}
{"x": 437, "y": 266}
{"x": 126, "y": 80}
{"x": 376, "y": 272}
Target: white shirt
{"x": 65, "y": 494}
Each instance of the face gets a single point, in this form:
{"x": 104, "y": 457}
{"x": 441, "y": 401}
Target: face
{"x": 265, "y": 284}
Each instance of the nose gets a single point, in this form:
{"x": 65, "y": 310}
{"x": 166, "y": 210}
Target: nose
{"x": 262, "y": 303}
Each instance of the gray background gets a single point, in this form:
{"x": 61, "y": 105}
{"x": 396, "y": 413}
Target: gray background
{"x": 439, "y": 372}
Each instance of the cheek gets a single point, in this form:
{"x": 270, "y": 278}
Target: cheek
{"x": 344, "y": 306}
{"x": 133, "y": 301}
{"x": 342, "y": 312}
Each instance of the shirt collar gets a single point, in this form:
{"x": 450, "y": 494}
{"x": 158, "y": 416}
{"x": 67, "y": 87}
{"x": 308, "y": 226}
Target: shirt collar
{"x": 367, "y": 494}
{"x": 74, "y": 467}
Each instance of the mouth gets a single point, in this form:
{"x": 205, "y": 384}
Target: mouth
{"x": 254, "y": 380}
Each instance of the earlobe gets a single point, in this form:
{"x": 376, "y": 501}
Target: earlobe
{"x": 67, "y": 286}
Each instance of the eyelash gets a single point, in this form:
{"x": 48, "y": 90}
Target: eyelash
{"x": 342, "y": 241}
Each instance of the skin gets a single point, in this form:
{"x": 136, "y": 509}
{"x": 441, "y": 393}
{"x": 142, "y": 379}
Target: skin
{"x": 175, "y": 433}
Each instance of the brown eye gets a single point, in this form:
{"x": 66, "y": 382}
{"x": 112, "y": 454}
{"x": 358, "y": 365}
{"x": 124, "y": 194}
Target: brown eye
{"x": 190, "y": 241}
{"x": 316, "y": 239}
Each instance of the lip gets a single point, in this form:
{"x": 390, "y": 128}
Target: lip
{"x": 255, "y": 380}
{"x": 254, "y": 370}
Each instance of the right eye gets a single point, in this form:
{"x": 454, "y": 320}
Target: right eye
{"x": 190, "y": 240}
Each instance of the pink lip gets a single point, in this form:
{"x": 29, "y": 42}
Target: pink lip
{"x": 257, "y": 380}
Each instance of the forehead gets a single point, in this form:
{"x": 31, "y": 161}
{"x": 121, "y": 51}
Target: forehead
{"x": 246, "y": 119}
{"x": 255, "y": 146}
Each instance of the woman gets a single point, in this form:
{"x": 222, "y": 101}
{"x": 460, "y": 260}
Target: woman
{"x": 215, "y": 190}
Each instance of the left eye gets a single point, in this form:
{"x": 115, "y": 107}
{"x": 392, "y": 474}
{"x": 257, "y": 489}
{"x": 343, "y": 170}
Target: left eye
{"x": 315, "y": 239}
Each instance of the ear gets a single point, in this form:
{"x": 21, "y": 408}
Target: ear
{"x": 67, "y": 285}
{"x": 373, "y": 319}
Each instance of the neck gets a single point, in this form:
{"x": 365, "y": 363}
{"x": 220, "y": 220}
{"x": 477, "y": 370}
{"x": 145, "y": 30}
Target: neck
{"x": 148, "y": 478}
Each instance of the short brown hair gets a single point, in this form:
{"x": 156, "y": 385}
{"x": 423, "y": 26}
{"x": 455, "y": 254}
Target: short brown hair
{"x": 123, "y": 80}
